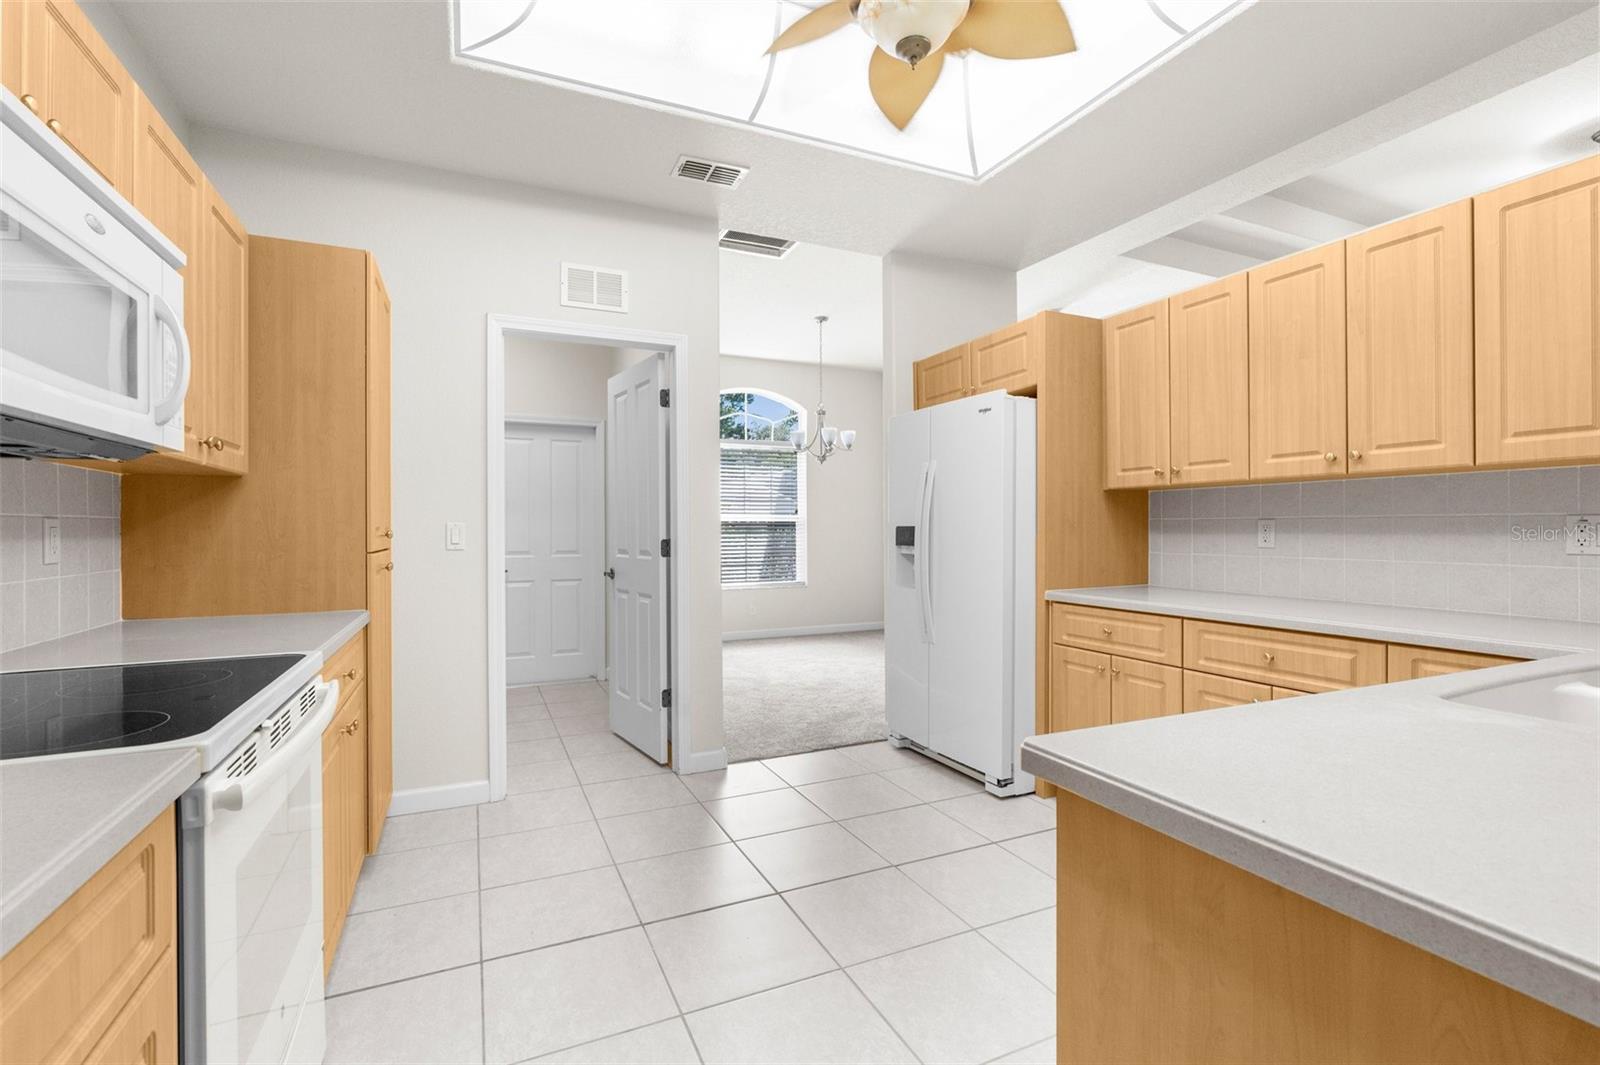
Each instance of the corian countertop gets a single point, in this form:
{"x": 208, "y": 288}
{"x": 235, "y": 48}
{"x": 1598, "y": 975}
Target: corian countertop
{"x": 1494, "y": 634}
{"x": 1471, "y": 833}
{"x": 62, "y": 818}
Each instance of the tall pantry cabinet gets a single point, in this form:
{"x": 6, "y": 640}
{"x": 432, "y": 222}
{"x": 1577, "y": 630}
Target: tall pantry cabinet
{"x": 308, "y": 527}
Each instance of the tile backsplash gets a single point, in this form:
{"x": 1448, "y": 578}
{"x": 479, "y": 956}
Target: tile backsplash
{"x": 83, "y": 590}
{"x": 1489, "y": 541}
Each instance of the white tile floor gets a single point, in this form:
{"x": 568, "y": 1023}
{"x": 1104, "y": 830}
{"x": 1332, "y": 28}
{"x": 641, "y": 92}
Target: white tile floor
{"x": 859, "y": 905}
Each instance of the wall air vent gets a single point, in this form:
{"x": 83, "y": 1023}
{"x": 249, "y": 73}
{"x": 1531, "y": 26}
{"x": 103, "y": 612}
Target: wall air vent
{"x": 706, "y": 172}
{"x": 755, "y": 244}
{"x": 596, "y": 288}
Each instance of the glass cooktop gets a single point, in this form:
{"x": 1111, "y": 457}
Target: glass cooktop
{"x": 62, "y": 711}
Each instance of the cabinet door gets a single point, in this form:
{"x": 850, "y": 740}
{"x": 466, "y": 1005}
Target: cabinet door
{"x": 1413, "y": 663}
{"x": 1080, "y": 688}
{"x": 169, "y": 190}
{"x": 225, "y": 289}
{"x": 335, "y": 891}
{"x": 942, "y": 377}
{"x": 1144, "y": 689}
{"x": 1006, "y": 359}
{"x": 1206, "y": 691}
{"x": 1537, "y": 276}
{"x": 1209, "y": 355}
{"x": 84, "y": 94}
{"x": 146, "y": 1031}
{"x": 1136, "y": 403}
{"x": 1409, "y": 317}
{"x": 358, "y": 782}
{"x": 380, "y": 530}
{"x": 1297, "y": 374}
{"x": 380, "y": 694}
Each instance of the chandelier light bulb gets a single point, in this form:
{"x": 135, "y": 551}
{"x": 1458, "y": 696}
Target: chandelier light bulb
{"x": 847, "y": 439}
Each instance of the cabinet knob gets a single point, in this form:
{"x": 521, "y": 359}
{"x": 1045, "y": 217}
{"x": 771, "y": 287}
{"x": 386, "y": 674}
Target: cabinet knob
{"x": 1266, "y": 656}
{"x": 55, "y": 125}
{"x": 388, "y": 565}
{"x": 1116, "y": 672}
{"x": 1105, "y": 630}
{"x": 1176, "y": 472}
{"x": 1158, "y": 471}
{"x": 1099, "y": 669}
{"x": 350, "y": 674}
{"x": 1331, "y": 457}
{"x": 388, "y": 534}
{"x": 31, "y": 102}
{"x": 1355, "y": 455}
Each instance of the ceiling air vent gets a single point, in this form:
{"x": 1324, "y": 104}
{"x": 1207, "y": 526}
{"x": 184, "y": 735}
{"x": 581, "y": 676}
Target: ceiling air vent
{"x": 755, "y": 244}
{"x": 704, "y": 171}
{"x": 596, "y": 288}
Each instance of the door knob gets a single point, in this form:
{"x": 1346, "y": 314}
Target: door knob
{"x": 610, "y": 574}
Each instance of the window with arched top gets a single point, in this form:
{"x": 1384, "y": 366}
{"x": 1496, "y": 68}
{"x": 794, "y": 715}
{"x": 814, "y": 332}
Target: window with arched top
{"x": 763, "y": 489}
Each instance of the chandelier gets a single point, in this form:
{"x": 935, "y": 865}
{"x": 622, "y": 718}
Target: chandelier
{"x": 827, "y": 438}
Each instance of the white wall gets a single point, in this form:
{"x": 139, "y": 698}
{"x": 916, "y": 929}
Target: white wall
{"x": 107, "y": 21}
{"x": 454, "y": 249}
{"x": 930, "y": 304}
{"x": 844, "y": 506}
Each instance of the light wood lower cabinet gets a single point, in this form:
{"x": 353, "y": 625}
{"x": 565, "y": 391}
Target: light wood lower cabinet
{"x": 1207, "y": 691}
{"x": 380, "y": 694}
{"x": 1287, "y": 693}
{"x": 1080, "y": 688}
{"x": 344, "y": 814}
{"x": 1302, "y": 660}
{"x": 1152, "y": 637}
{"x": 1167, "y": 954}
{"x": 96, "y": 981}
{"x": 1144, "y": 689}
{"x": 1413, "y": 663}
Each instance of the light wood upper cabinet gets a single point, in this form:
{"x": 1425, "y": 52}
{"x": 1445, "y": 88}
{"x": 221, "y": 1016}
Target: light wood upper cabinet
{"x": 1006, "y": 359}
{"x": 1080, "y": 688}
{"x": 380, "y": 528}
{"x": 942, "y": 377}
{"x": 1144, "y": 689}
{"x": 1297, "y": 366}
{"x": 224, "y": 290}
{"x": 1409, "y": 314}
{"x": 380, "y": 693}
{"x": 1136, "y": 401}
{"x": 62, "y": 70}
{"x": 1537, "y": 274}
{"x": 1209, "y": 355}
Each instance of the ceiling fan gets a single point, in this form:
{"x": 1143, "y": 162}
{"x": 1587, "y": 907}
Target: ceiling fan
{"x": 914, "y": 36}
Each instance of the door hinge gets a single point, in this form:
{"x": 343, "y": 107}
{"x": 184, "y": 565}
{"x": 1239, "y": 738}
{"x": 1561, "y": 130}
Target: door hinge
{"x": 666, "y": 698}
{"x": 666, "y": 549}
{"x": 666, "y": 397}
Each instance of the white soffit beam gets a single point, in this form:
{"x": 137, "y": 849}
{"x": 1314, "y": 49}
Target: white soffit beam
{"x": 1201, "y": 259}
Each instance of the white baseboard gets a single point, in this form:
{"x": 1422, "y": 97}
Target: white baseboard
{"x": 804, "y": 630}
{"x": 438, "y": 797}
{"x": 704, "y": 761}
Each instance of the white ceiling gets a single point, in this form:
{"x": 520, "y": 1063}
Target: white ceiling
{"x": 376, "y": 78}
{"x": 768, "y": 306}
{"x": 1531, "y": 127}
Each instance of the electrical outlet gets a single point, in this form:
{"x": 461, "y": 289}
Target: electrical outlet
{"x": 1266, "y": 533}
{"x": 52, "y": 541}
{"x": 1583, "y": 534}
{"x": 455, "y": 536}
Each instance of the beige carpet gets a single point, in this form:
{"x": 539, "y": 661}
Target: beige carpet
{"x": 801, "y": 693}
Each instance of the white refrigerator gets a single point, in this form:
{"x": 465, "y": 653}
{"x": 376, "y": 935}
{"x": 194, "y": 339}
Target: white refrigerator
{"x": 959, "y": 609}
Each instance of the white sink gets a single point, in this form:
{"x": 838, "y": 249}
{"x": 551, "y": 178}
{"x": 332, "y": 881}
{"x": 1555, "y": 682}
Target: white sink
{"x": 1573, "y": 696}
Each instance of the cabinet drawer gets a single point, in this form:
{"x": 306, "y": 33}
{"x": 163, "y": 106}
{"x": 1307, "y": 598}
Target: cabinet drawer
{"x": 1287, "y": 693}
{"x": 349, "y": 664}
{"x": 1301, "y": 660}
{"x": 1151, "y": 637}
{"x": 1206, "y": 691}
{"x": 1413, "y": 663}
{"x": 63, "y": 986}
{"x": 146, "y": 1031}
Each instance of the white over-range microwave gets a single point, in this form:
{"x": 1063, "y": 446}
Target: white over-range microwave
{"x": 94, "y": 361}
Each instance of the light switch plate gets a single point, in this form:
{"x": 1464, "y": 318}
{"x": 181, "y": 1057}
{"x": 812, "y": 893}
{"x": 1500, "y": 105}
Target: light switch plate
{"x": 1266, "y": 533}
{"x": 455, "y": 535}
{"x": 52, "y": 541}
{"x": 1583, "y": 534}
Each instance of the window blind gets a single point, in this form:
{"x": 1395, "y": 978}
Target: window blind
{"x": 763, "y": 528}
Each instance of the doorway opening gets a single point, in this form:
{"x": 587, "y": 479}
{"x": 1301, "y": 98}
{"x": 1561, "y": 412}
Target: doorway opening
{"x": 586, "y": 626}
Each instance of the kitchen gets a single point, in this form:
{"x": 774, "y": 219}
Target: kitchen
{"x": 1338, "y": 496}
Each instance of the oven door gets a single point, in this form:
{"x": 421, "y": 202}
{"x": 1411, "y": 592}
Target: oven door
{"x": 92, "y": 344}
{"x": 251, "y": 911}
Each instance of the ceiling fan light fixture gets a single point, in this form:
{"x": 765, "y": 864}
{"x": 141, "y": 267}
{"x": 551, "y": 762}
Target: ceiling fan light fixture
{"x": 910, "y": 30}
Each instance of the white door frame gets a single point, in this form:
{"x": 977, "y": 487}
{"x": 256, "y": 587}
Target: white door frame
{"x": 676, "y": 346}
{"x": 598, "y": 626}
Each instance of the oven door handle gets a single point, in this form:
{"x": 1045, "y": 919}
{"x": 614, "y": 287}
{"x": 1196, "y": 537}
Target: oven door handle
{"x": 222, "y": 793}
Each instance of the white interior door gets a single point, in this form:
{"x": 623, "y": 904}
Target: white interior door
{"x": 636, "y": 506}
{"x": 554, "y": 533}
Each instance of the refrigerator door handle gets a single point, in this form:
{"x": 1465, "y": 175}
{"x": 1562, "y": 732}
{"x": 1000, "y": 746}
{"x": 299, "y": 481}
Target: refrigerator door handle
{"x": 925, "y": 551}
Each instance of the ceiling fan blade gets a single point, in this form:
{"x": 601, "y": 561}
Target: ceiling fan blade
{"x": 818, "y": 23}
{"x": 1014, "y": 29}
{"x": 898, "y": 89}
